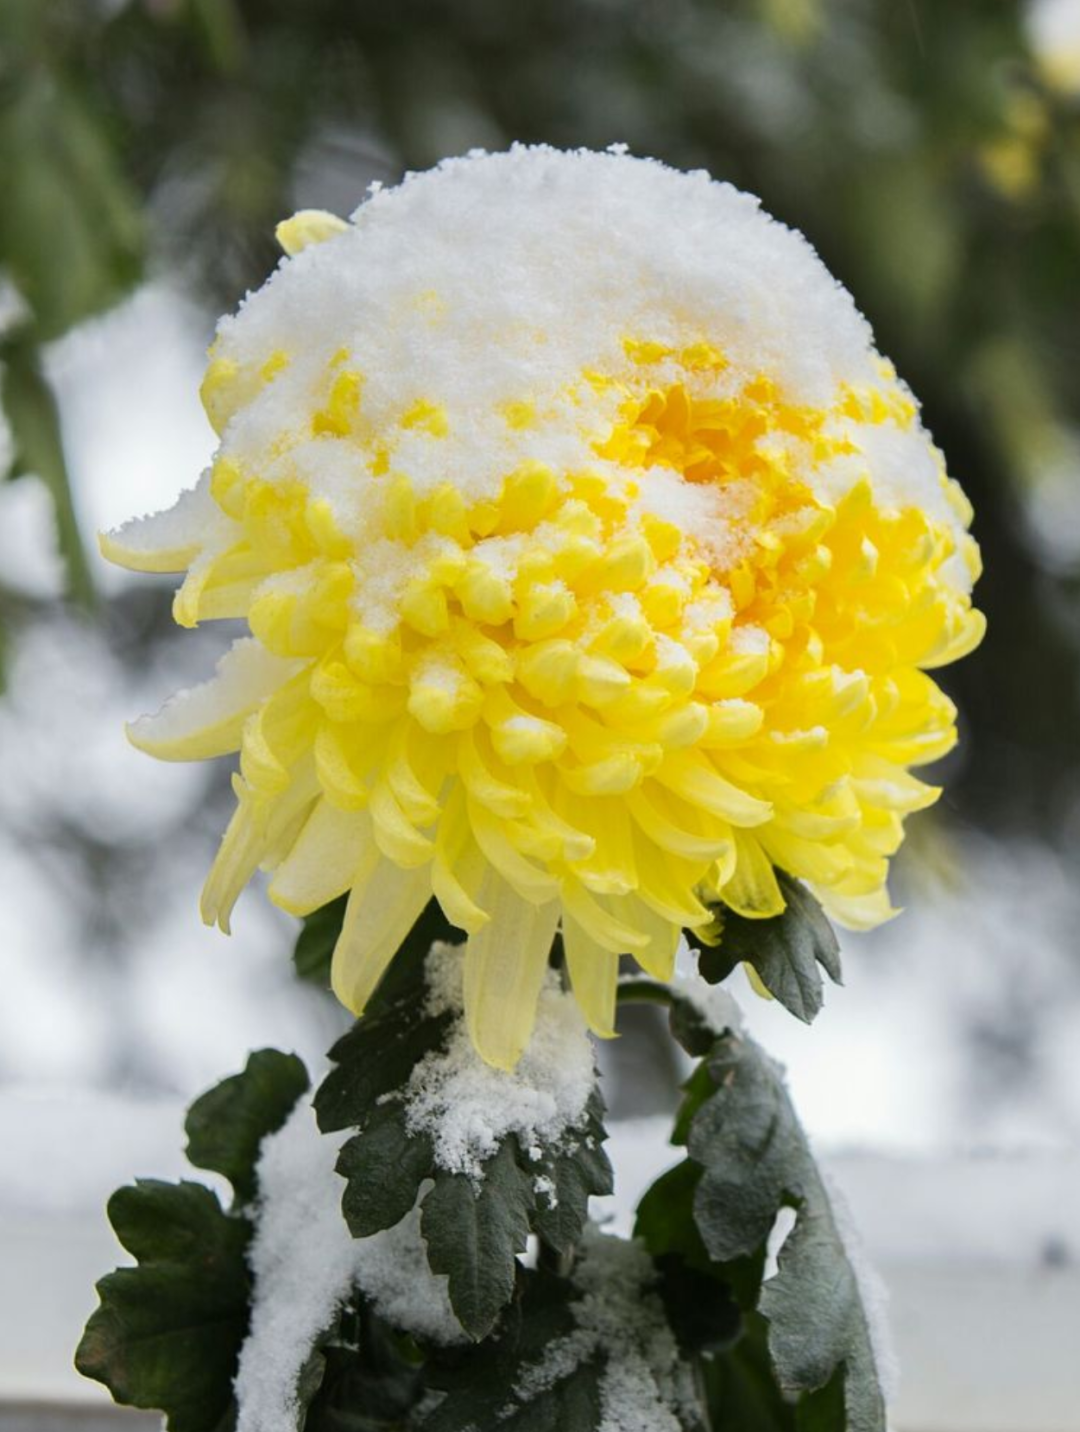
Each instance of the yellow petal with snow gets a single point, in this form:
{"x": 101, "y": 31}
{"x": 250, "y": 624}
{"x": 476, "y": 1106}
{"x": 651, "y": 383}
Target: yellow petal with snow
{"x": 307, "y": 227}
{"x": 208, "y": 719}
{"x": 167, "y": 541}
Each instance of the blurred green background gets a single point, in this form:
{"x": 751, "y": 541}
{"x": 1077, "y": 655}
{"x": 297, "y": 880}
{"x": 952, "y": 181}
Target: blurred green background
{"x": 927, "y": 152}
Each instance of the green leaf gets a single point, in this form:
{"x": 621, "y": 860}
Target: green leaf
{"x": 71, "y": 230}
{"x": 384, "y": 1166}
{"x": 755, "y": 1159}
{"x": 785, "y": 951}
{"x": 473, "y": 1233}
{"x": 474, "y": 1227}
{"x": 168, "y": 1332}
{"x": 35, "y": 427}
{"x": 227, "y": 1124}
{"x": 818, "y": 1333}
{"x": 367, "y": 1388}
{"x": 374, "y": 1060}
{"x": 482, "y": 1383}
{"x": 578, "y": 1172}
{"x": 741, "y": 1390}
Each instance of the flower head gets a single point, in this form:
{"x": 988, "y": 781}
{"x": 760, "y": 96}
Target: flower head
{"x": 593, "y": 561}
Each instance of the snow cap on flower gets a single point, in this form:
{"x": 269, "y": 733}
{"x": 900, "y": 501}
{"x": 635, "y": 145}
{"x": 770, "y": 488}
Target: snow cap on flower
{"x": 593, "y": 561}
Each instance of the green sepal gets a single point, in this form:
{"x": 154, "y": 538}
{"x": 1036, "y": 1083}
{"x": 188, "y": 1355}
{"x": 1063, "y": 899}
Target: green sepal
{"x": 226, "y": 1125}
{"x": 168, "y": 1332}
{"x": 786, "y": 951}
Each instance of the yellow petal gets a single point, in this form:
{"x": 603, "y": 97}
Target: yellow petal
{"x": 504, "y": 971}
{"x": 208, "y": 719}
{"x": 594, "y": 976}
{"x": 309, "y": 226}
{"x": 380, "y": 913}
{"x": 168, "y": 541}
{"x": 334, "y": 851}
{"x": 752, "y": 890}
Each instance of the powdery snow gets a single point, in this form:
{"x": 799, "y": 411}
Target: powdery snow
{"x": 305, "y": 1264}
{"x": 502, "y": 284}
{"x": 620, "y": 1318}
{"x": 468, "y": 1107}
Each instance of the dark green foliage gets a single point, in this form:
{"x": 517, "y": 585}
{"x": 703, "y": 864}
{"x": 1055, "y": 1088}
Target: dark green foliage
{"x": 316, "y": 940}
{"x": 785, "y": 951}
{"x": 168, "y": 1332}
{"x": 748, "y": 1158}
{"x": 226, "y": 1125}
{"x": 362, "y": 1377}
{"x": 473, "y": 1233}
{"x": 473, "y": 1227}
{"x": 480, "y": 1382}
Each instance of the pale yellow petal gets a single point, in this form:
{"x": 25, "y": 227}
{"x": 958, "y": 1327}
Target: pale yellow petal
{"x": 752, "y": 890}
{"x": 380, "y": 913}
{"x": 307, "y": 227}
{"x": 334, "y": 851}
{"x": 594, "y": 976}
{"x": 504, "y": 970}
{"x": 208, "y": 719}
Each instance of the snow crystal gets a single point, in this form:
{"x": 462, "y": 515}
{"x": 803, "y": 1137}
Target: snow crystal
{"x": 306, "y": 1263}
{"x": 619, "y": 1317}
{"x": 468, "y": 1107}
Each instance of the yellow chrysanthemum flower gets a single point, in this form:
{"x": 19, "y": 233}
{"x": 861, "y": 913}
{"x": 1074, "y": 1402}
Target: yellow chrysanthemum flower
{"x": 593, "y": 561}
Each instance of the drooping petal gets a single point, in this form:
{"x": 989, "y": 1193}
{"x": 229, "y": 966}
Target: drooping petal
{"x": 380, "y": 912}
{"x": 167, "y": 541}
{"x": 208, "y": 719}
{"x": 334, "y": 851}
{"x": 504, "y": 969}
{"x": 594, "y": 977}
{"x": 752, "y": 891}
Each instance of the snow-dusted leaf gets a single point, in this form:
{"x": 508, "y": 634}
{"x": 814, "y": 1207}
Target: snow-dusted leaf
{"x": 566, "y": 1179}
{"x": 487, "y": 1385}
{"x": 755, "y": 1160}
{"x": 474, "y": 1232}
{"x": 748, "y": 1158}
{"x": 831, "y": 1350}
{"x": 484, "y": 1200}
{"x": 226, "y": 1125}
{"x": 168, "y": 1332}
{"x": 383, "y": 1166}
{"x": 785, "y": 951}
